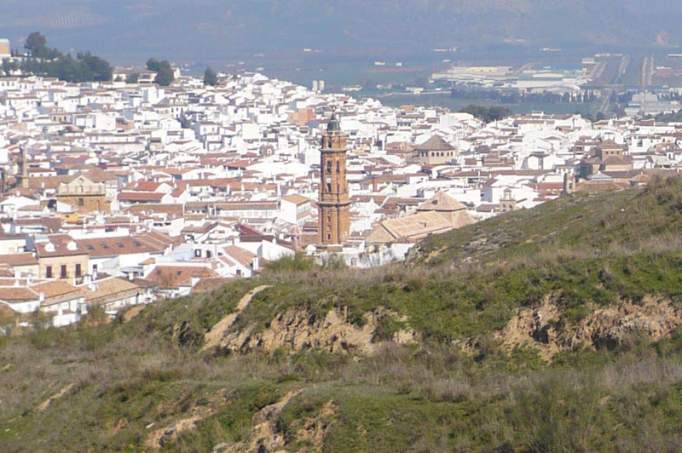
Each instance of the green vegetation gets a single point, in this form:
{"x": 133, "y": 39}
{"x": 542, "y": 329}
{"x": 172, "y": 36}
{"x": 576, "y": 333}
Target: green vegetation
{"x": 675, "y": 117}
{"x": 36, "y": 44}
{"x": 164, "y": 72}
{"x": 45, "y": 61}
{"x": 458, "y": 388}
{"x": 210, "y": 77}
{"x": 132, "y": 78}
{"x": 487, "y": 113}
{"x": 579, "y": 226}
{"x": 9, "y": 66}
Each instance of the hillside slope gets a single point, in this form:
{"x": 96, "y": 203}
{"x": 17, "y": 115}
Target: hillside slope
{"x": 488, "y": 340}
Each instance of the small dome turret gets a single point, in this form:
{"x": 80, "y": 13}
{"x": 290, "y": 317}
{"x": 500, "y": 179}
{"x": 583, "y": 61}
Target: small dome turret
{"x": 334, "y": 124}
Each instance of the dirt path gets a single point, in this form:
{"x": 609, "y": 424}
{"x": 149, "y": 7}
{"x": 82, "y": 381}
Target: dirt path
{"x": 217, "y": 332}
{"x": 48, "y": 402}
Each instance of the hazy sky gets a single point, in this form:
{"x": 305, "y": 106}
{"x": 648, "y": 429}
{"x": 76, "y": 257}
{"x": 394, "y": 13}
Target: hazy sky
{"x": 221, "y": 28}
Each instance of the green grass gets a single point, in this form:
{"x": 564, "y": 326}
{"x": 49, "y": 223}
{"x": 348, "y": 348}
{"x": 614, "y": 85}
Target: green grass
{"x": 581, "y": 225}
{"x": 584, "y": 252}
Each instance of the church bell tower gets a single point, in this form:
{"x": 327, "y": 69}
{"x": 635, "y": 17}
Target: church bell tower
{"x": 334, "y": 206}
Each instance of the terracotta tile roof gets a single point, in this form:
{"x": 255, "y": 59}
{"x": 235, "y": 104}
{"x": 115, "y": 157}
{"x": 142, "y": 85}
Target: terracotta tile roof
{"x": 146, "y": 186}
{"x": 208, "y": 285}
{"x": 246, "y": 205}
{"x": 296, "y": 199}
{"x": 56, "y": 289}
{"x": 173, "y": 276}
{"x": 174, "y": 209}
{"x": 243, "y": 257}
{"x": 109, "y": 289}
{"x": 435, "y": 143}
{"x": 441, "y": 202}
{"x": 19, "y": 259}
{"x": 123, "y": 245}
{"x": 17, "y": 294}
{"x": 50, "y": 224}
{"x": 141, "y": 196}
{"x": 59, "y": 245}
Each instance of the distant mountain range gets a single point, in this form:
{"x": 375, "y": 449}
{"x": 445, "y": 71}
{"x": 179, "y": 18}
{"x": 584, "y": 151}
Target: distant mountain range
{"x": 204, "y": 29}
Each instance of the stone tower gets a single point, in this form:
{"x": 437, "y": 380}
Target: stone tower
{"x": 334, "y": 207}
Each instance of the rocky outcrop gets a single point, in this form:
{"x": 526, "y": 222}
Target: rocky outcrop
{"x": 265, "y": 435}
{"x": 314, "y": 429}
{"x": 546, "y": 329}
{"x": 131, "y": 313}
{"x": 299, "y": 329}
{"x": 214, "y": 337}
{"x": 168, "y": 434}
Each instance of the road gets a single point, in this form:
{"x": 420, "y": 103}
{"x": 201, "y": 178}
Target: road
{"x": 648, "y": 69}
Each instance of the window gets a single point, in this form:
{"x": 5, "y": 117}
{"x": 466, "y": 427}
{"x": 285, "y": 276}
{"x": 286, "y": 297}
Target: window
{"x": 78, "y": 271}
{"x": 338, "y": 167}
{"x": 197, "y": 253}
{"x": 62, "y": 272}
{"x": 48, "y": 272}
{"x": 81, "y": 202}
{"x": 94, "y": 268}
{"x": 208, "y": 254}
{"x": 329, "y": 187}
{"x": 329, "y": 166}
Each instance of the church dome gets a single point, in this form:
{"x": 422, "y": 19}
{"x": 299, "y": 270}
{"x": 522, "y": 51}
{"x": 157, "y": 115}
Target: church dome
{"x": 334, "y": 124}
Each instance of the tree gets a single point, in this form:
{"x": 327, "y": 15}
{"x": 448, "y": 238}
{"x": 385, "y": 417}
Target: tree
{"x": 36, "y": 43}
{"x": 101, "y": 69}
{"x": 133, "y": 77}
{"x": 85, "y": 67}
{"x": 487, "y": 114}
{"x": 8, "y": 66}
{"x": 164, "y": 71}
{"x": 210, "y": 77}
{"x": 153, "y": 64}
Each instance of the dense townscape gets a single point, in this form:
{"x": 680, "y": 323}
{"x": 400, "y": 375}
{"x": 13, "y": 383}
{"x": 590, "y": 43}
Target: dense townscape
{"x": 118, "y": 193}
{"x": 349, "y": 226}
